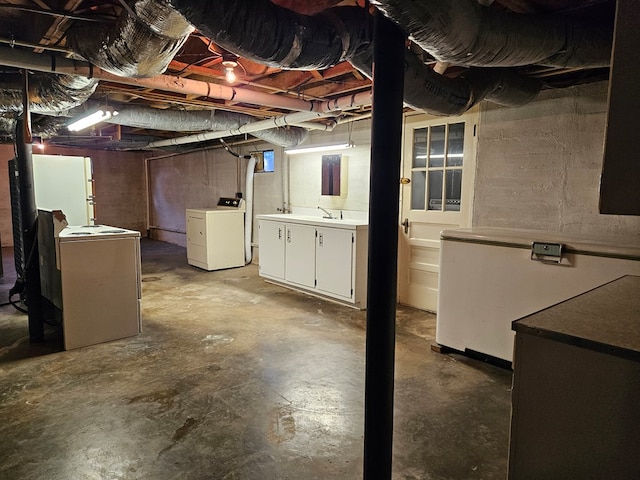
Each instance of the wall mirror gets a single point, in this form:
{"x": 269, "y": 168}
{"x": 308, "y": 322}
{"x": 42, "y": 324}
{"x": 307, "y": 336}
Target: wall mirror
{"x": 331, "y": 170}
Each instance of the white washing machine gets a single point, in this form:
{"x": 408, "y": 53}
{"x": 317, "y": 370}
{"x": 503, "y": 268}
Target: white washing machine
{"x": 101, "y": 290}
{"x": 215, "y": 236}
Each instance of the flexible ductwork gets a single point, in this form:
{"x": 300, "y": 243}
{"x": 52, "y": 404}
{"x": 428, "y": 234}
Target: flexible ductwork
{"x": 144, "y": 40}
{"x": 43, "y": 127}
{"x": 48, "y": 93}
{"x": 463, "y": 32}
{"x": 282, "y": 38}
{"x": 272, "y": 35}
{"x": 203, "y": 120}
{"x": 436, "y": 94}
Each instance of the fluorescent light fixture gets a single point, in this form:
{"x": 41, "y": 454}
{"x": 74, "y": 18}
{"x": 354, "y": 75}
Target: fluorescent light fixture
{"x": 319, "y": 148}
{"x": 100, "y": 115}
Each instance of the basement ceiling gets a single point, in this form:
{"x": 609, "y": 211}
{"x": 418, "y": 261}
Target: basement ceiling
{"x": 44, "y": 27}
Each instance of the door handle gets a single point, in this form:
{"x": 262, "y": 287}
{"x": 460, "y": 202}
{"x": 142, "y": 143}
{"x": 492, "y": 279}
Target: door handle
{"x": 320, "y": 240}
{"x": 279, "y": 233}
{"x": 288, "y": 236}
{"x": 405, "y": 224}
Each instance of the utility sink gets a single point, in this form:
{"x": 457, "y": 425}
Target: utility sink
{"x": 313, "y": 220}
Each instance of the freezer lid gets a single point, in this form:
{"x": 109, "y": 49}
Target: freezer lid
{"x": 609, "y": 246}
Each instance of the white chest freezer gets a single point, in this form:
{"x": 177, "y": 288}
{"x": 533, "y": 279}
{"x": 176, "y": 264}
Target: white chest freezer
{"x": 490, "y": 277}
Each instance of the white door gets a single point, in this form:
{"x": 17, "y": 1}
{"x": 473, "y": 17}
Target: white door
{"x": 300, "y": 254}
{"x": 271, "y": 252}
{"x": 439, "y": 161}
{"x": 334, "y": 260}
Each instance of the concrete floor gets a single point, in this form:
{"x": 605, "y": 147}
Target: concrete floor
{"x": 236, "y": 378}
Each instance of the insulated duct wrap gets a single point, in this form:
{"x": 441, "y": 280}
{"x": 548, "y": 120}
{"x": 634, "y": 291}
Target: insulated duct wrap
{"x": 437, "y": 94}
{"x": 466, "y": 33}
{"x": 140, "y": 45}
{"x": 48, "y": 93}
{"x": 285, "y": 39}
{"x": 203, "y": 120}
{"x": 272, "y": 35}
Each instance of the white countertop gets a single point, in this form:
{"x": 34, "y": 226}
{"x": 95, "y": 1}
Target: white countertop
{"x": 347, "y": 223}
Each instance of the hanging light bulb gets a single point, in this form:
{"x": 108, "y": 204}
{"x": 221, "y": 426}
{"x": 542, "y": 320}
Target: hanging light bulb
{"x": 229, "y": 62}
{"x": 230, "y": 75}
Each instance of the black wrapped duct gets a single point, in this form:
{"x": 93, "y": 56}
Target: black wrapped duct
{"x": 41, "y": 126}
{"x": 463, "y": 32}
{"x": 285, "y": 39}
{"x": 272, "y": 35}
{"x": 203, "y": 120}
{"x": 140, "y": 45}
{"x": 48, "y": 93}
{"x": 436, "y": 94}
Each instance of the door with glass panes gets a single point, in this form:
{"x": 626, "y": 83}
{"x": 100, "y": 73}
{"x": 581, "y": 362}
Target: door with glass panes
{"x": 437, "y": 190}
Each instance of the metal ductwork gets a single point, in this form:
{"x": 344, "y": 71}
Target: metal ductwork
{"x": 466, "y": 33}
{"x": 48, "y": 93}
{"x": 203, "y": 120}
{"x": 145, "y": 39}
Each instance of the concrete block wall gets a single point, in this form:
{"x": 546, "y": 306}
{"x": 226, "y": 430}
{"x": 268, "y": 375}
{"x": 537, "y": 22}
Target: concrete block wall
{"x": 538, "y": 166}
{"x": 199, "y": 179}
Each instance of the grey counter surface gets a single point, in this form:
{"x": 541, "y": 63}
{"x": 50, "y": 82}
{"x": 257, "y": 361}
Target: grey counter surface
{"x": 605, "y": 319}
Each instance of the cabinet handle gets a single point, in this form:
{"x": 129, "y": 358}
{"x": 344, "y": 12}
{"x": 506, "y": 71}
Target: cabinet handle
{"x": 288, "y": 236}
{"x": 279, "y": 233}
{"x": 320, "y": 240}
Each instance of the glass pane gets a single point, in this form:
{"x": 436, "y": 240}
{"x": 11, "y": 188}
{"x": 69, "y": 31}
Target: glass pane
{"x": 436, "y": 150}
{"x": 418, "y": 182}
{"x": 455, "y": 146}
{"x": 453, "y": 190}
{"x": 435, "y": 190}
{"x": 420, "y": 147}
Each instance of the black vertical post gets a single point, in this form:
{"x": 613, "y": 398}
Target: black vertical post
{"x": 29, "y": 214}
{"x": 386, "y": 145}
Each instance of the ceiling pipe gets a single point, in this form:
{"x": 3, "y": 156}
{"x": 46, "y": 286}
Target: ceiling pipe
{"x": 327, "y": 108}
{"x": 55, "y": 64}
{"x": 202, "y": 120}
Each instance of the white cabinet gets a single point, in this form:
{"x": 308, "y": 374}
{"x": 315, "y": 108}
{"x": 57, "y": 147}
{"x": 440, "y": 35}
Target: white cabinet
{"x": 271, "y": 241}
{"x": 327, "y": 258}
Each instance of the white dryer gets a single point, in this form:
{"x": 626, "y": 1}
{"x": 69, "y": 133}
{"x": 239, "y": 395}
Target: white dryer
{"x": 215, "y": 236}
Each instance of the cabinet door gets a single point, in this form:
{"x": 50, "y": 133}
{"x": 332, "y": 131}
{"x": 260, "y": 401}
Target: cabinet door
{"x": 300, "y": 254}
{"x": 271, "y": 249}
{"x": 334, "y": 260}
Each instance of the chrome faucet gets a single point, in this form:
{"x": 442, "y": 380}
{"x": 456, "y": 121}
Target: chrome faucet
{"x": 328, "y": 214}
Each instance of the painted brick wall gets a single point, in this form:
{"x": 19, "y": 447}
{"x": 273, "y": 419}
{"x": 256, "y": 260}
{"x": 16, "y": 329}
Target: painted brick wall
{"x": 539, "y": 166}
